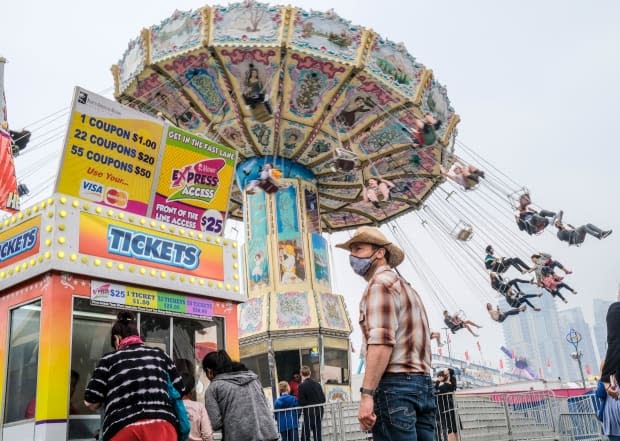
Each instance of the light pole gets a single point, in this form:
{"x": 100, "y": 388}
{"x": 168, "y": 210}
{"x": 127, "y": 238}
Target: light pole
{"x": 574, "y": 337}
{"x": 448, "y": 341}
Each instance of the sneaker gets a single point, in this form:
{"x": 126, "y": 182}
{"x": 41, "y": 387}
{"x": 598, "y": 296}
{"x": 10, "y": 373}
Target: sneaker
{"x": 567, "y": 271}
{"x": 565, "y": 301}
{"x": 475, "y": 335}
{"x": 574, "y": 292}
{"x": 537, "y": 309}
{"x": 604, "y": 234}
{"x": 522, "y": 308}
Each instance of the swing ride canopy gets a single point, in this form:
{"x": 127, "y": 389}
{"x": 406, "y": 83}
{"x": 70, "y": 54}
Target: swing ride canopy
{"x": 328, "y": 84}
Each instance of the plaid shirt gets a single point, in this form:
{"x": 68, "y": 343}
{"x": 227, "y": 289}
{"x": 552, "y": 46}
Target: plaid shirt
{"x": 392, "y": 314}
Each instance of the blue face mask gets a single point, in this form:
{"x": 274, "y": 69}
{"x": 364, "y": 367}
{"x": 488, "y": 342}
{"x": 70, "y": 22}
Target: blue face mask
{"x": 361, "y": 265}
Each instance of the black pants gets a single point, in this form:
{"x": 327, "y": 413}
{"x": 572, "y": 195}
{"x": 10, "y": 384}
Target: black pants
{"x": 504, "y": 315}
{"x": 521, "y": 299}
{"x": 502, "y": 265}
{"x": 313, "y": 417}
{"x": 579, "y": 235}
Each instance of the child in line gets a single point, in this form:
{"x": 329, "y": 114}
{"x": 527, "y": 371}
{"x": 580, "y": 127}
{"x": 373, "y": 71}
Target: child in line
{"x": 198, "y": 417}
{"x": 288, "y": 420}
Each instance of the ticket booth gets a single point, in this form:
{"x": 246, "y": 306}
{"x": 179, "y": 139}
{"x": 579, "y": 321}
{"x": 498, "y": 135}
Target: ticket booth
{"x": 67, "y": 266}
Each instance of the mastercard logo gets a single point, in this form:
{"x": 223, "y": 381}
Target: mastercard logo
{"x": 116, "y": 198}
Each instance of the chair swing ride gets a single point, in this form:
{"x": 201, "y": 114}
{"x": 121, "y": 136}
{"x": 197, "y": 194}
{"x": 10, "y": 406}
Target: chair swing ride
{"x": 311, "y": 102}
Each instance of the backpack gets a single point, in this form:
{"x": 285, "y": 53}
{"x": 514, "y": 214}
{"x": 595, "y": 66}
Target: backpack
{"x": 183, "y": 426}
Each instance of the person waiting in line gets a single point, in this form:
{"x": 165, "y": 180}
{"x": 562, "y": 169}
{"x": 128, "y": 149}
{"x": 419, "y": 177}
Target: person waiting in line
{"x": 553, "y": 283}
{"x": 455, "y": 323}
{"x": 199, "y": 419}
{"x": 288, "y": 420}
{"x": 530, "y": 220}
{"x": 137, "y": 407}
{"x": 466, "y": 175}
{"x": 294, "y": 383}
{"x": 235, "y": 400}
{"x": 499, "y": 316}
{"x": 611, "y": 409}
{"x": 445, "y": 386}
{"x": 506, "y": 288}
{"x": 311, "y": 396}
{"x": 501, "y": 264}
{"x": 576, "y": 236}
{"x": 612, "y": 357}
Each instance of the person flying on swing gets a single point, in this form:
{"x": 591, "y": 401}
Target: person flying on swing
{"x": 576, "y": 236}
{"x": 376, "y": 187}
{"x": 466, "y": 175}
{"x": 501, "y": 264}
{"x": 500, "y": 316}
{"x": 544, "y": 264}
{"x": 506, "y": 288}
{"x": 518, "y": 299}
{"x": 530, "y": 220}
{"x": 553, "y": 283}
{"x": 269, "y": 180}
{"x": 455, "y": 323}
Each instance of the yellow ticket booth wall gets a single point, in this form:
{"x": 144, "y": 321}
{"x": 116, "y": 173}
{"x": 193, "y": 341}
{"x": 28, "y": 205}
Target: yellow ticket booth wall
{"x": 60, "y": 290}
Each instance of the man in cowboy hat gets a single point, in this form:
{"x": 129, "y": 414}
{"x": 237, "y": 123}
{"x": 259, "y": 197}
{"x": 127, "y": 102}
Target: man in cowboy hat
{"x": 396, "y": 344}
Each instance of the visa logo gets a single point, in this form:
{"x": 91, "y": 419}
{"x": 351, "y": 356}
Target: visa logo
{"x": 91, "y": 190}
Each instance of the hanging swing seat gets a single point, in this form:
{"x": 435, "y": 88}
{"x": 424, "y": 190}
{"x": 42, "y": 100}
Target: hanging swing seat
{"x": 261, "y": 112}
{"x": 344, "y": 160}
{"x": 463, "y": 232}
{"x": 516, "y": 197}
{"x": 268, "y": 186}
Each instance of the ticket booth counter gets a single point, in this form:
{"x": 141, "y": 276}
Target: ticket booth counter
{"x": 60, "y": 290}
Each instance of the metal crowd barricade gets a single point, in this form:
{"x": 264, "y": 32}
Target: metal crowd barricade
{"x": 330, "y": 422}
{"x": 580, "y": 427}
{"x": 521, "y": 416}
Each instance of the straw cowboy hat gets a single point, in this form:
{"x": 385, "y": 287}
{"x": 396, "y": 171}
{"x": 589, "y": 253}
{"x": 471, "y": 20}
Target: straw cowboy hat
{"x": 374, "y": 236}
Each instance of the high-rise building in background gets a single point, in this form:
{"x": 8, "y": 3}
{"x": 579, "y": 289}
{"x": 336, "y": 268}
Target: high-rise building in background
{"x": 599, "y": 327}
{"x": 573, "y": 318}
{"x": 539, "y": 337}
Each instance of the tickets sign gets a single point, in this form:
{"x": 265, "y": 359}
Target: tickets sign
{"x": 111, "y": 153}
{"x": 137, "y": 245}
{"x": 20, "y": 242}
{"x": 131, "y": 297}
{"x": 194, "y": 182}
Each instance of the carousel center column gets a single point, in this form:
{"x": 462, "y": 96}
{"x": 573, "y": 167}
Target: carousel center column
{"x": 291, "y": 318}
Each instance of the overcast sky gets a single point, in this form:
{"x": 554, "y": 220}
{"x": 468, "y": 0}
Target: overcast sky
{"x": 535, "y": 82}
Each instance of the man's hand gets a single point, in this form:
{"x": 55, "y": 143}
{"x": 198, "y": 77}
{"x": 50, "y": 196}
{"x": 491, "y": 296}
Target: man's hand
{"x": 366, "y": 415}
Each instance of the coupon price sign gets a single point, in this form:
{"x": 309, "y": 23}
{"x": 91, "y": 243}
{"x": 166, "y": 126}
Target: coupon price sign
{"x": 111, "y": 153}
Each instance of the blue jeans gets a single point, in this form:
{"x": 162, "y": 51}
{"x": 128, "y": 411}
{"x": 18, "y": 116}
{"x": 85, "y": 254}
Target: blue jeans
{"x": 405, "y": 408}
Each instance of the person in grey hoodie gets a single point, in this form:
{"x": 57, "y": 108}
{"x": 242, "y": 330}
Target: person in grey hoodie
{"x": 235, "y": 401}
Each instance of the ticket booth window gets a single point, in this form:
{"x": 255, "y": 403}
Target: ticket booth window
{"x": 191, "y": 339}
{"x": 336, "y": 368}
{"x": 21, "y": 380}
{"x": 259, "y": 364}
{"x": 155, "y": 331}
